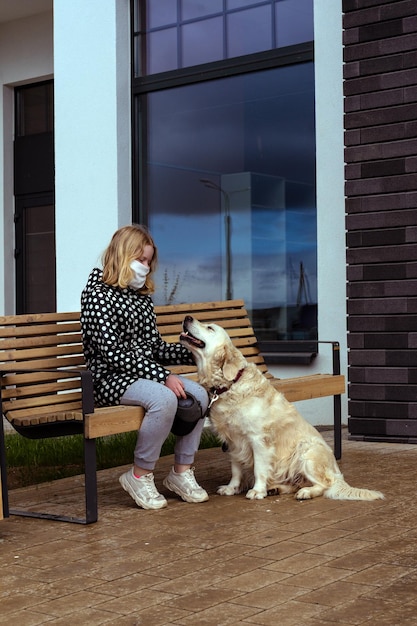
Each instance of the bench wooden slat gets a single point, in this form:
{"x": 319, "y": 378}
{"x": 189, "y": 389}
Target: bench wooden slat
{"x": 31, "y": 405}
{"x": 214, "y": 312}
{"x": 16, "y": 417}
{"x": 41, "y": 351}
{"x": 205, "y": 307}
{"x": 25, "y": 330}
{"x": 49, "y": 418}
{"x": 309, "y": 387}
{"x": 238, "y": 339}
{"x": 205, "y": 315}
{"x": 231, "y": 326}
{"x": 23, "y": 343}
{"x": 26, "y": 378}
{"x": 31, "y": 319}
{"x": 70, "y": 362}
{"x": 42, "y": 388}
{"x": 175, "y": 325}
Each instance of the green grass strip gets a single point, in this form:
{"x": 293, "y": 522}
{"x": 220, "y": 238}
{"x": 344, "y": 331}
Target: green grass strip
{"x": 39, "y": 460}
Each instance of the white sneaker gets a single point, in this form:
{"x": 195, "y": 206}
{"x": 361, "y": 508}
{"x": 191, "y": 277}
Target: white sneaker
{"x": 186, "y": 486}
{"x": 142, "y": 490}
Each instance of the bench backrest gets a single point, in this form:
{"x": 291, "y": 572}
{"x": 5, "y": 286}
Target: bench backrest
{"x": 47, "y": 341}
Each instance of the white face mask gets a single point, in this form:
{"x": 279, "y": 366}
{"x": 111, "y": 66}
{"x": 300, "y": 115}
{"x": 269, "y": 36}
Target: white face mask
{"x": 140, "y": 273}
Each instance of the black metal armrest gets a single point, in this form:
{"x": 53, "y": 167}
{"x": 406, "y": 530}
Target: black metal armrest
{"x": 296, "y": 352}
{"x": 87, "y": 388}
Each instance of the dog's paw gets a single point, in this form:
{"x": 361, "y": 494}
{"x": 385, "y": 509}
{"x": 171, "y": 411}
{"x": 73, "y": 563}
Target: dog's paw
{"x": 254, "y": 494}
{"x": 227, "y": 490}
{"x": 303, "y": 494}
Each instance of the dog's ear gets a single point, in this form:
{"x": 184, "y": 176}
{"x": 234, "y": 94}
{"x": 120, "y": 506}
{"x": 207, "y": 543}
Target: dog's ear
{"x": 231, "y": 364}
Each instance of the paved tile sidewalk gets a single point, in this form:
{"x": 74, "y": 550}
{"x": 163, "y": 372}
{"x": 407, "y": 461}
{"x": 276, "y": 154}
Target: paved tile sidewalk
{"x": 223, "y": 562}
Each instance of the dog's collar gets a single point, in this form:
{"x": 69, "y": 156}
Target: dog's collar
{"x": 217, "y": 391}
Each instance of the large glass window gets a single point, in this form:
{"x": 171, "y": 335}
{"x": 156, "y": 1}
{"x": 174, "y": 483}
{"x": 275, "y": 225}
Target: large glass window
{"x": 226, "y": 173}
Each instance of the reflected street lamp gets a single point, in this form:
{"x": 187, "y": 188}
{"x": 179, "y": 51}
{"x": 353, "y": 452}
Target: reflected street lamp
{"x": 227, "y": 233}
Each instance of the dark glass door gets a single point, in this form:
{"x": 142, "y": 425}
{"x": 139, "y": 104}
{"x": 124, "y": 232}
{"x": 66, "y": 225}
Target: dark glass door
{"x": 35, "y": 254}
{"x": 34, "y": 199}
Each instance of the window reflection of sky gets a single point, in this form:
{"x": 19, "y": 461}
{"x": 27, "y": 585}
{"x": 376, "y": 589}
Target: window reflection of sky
{"x": 264, "y": 122}
{"x": 260, "y": 123}
{"x": 190, "y": 250}
{"x": 184, "y": 33}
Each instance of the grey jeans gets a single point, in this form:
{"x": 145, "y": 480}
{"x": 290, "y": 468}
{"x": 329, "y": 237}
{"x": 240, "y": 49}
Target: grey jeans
{"x": 160, "y": 404}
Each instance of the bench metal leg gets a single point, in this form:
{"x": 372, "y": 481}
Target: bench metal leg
{"x": 337, "y": 405}
{"x": 3, "y": 472}
{"x": 91, "y": 514}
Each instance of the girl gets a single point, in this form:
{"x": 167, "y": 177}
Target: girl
{"x": 128, "y": 359}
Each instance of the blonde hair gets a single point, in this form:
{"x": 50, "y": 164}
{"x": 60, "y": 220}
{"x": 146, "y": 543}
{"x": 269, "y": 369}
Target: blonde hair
{"x": 126, "y": 245}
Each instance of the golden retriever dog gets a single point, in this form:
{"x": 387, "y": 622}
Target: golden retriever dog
{"x": 272, "y": 448}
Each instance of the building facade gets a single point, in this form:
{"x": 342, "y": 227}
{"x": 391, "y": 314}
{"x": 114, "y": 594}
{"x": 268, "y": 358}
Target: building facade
{"x": 113, "y": 163}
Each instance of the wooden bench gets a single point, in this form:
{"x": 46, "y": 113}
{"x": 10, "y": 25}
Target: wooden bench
{"x": 46, "y": 390}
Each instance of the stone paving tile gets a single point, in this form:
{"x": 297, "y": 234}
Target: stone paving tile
{"x": 358, "y": 611}
{"x": 18, "y": 602}
{"x": 288, "y": 613}
{"x": 380, "y": 574}
{"x": 324, "y": 535}
{"x": 90, "y": 617}
{"x": 270, "y": 596}
{"x": 69, "y": 603}
{"x": 153, "y": 616}
{"x": 255, "y": 579}
{"x": 358, "y": 560}
{"x": 297, "y": 563}
{"x": 223, "y": 614}
{"x": 226, "y": 562}
{"x": 194, "y": 581}
{"x": 342, "y": 546}
{"x": 335, "y": 593}
{"x": 129, "y": 584}
{"x": 280, "y": 550}
{"x": 317, "y": 577}
{"x": 141, "y": 598}
{"x": 24, "y": 617}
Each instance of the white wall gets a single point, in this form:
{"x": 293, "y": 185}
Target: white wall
{"x": 330, "y": 207}
{"x": 331, "y": 236}
{"x": 25, "y": 56}
{"x": 92, "y": 136}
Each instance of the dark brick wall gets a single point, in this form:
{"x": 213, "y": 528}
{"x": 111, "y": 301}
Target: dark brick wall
{"x": 380, "y": 87}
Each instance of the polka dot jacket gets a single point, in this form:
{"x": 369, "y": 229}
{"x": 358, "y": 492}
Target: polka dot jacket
{"x": 121, "y": 341}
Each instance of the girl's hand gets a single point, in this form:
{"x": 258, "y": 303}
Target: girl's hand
{"x": 176, "y": 385}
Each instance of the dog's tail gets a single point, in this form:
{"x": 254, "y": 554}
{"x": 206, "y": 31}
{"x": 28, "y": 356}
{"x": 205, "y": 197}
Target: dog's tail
{"x": 340, "y": 490}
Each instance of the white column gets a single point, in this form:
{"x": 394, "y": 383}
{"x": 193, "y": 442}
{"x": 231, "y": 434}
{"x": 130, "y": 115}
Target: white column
{"x": 331, "y": 258}
{"x": 92, "y": 136}
{"x": 331, "y": 229}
